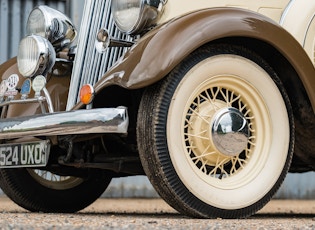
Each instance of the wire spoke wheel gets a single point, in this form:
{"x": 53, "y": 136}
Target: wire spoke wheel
{"x": 218, "y": 140}
{"x": 54, "y": 181}
{"x": 197, "y": 131}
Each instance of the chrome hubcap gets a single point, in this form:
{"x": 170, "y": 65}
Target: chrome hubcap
{"x": 230, "y": 132}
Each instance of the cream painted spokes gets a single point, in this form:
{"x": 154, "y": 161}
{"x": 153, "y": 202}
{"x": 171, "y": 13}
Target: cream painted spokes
{"x": 219, "y": 154}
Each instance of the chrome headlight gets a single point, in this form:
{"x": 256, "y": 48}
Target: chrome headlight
{"x": 35, "y": 56}
{"x": 134, "y": 16}
{"x": 51, "y": 24}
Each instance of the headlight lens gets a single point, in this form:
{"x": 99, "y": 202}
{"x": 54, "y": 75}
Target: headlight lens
{"x": 133, "y": 16}
{"x": 36, "y": 23}
{"x": 35, "y": 56}
{"x": 51, "y": 24}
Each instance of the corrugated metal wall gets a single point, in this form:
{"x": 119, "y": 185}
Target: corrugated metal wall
{"x": 295, "y": 186}
{"x": 13, "y": 17}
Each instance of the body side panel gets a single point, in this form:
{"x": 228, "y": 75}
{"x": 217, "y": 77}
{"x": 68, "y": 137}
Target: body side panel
{"x": 301, "y": 25}
{"x": 271, "y": 8}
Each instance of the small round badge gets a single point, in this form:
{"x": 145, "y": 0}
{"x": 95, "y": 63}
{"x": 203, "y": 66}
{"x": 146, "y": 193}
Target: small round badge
{"x": 12, "y": 81}
{"x": 39, "y": 83}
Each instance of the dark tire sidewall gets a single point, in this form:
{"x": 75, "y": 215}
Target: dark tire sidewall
{"x": 24, "y": 190}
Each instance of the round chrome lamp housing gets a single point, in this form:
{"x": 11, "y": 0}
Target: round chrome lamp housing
{"x": 35, "y": 56}
{"x": 134, "y": 16}
{"x": 52, "y": 25}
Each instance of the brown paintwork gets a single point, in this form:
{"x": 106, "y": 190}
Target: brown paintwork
{"x": 8, "y": 68}
{"x": 57, "y": 86}
{"x": 160, "y": 50}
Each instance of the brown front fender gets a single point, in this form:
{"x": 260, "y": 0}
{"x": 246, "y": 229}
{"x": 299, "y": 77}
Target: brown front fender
{"x": 160, "y": 50}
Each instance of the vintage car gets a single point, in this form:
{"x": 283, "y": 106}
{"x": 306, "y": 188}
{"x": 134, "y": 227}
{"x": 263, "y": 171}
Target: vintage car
{"x": 212, "y": 100}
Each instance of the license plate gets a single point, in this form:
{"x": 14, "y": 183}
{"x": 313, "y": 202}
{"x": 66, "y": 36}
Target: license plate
{"x": 32, "y": 154}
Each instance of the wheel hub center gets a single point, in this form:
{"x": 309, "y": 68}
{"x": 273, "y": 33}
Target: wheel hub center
{"x": 230, "y": 131}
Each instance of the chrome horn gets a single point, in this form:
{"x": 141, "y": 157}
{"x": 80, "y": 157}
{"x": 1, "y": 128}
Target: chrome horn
{"x": 104, "y": 40}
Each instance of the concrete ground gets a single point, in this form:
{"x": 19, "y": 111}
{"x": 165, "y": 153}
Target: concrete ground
{"x": 156, "y": 214}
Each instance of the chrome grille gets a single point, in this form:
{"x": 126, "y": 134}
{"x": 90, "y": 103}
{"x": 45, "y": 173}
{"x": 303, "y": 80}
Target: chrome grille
{"x": 89, "y": 65}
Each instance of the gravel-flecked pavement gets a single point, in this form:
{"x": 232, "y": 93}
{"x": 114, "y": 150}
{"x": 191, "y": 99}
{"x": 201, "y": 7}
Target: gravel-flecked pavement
{"x": 155, "y": 214}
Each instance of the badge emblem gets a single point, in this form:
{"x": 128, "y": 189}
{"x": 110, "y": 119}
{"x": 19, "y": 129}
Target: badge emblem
{"x": 38, "y": 84}
{"x": 12, "y": 83}
{"x": 26, "y": 88}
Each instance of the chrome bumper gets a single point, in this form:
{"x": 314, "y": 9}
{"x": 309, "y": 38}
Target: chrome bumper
{"x": 105, "y": 120}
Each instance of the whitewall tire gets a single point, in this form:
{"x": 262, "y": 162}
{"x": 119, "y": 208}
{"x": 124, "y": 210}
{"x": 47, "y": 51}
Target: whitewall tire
{"x": 216, "y": 136}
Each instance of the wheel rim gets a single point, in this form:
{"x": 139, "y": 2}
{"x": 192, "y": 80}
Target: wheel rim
{"x": 54, "y": 181}
{"x": 224, "y": 181}
{"x": 209, "y": 99}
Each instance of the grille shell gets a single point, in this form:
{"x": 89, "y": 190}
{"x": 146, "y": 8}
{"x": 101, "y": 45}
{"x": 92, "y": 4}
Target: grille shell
{"x": 89, "y": 65}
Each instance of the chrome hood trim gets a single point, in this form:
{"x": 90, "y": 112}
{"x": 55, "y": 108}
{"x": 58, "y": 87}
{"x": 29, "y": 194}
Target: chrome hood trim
{"x": 105, "y": 120}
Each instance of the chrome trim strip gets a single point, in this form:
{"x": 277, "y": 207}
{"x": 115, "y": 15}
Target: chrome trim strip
{"x": 49, "y": 101}
{"x": 105, "y": 120}
{"x": 285, "y": 12}
{"x": 23, "y": 101}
